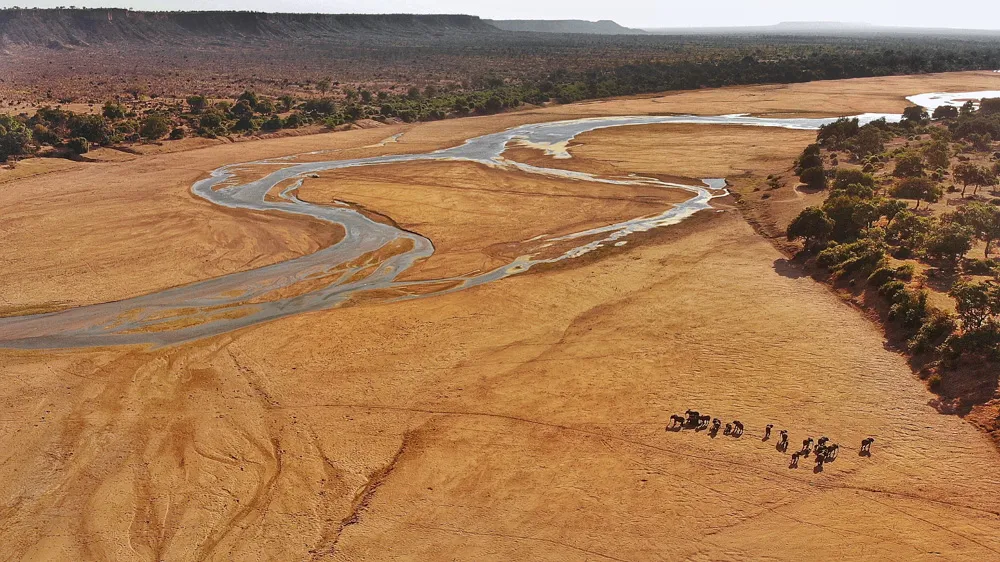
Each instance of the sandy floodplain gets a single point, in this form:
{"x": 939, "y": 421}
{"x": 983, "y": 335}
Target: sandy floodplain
{"x": 521, "y": 419}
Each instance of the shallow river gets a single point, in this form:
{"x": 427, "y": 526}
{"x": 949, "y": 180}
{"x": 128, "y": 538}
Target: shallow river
{"x": 370, "y": 257}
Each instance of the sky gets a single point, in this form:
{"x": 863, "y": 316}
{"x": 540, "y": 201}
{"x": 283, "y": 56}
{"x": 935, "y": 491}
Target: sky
{"x": 969, "y": 14}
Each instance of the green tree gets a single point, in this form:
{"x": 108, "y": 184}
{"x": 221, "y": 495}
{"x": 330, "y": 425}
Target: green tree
{"x": 812, "y": 224}
{"x": 937, "y": 154}
{"x": 909, "y": 165}
{"x": 250, "y": 97}
{"x": 844, "y": 177}
{"x": 867, "y": 142}
{"x": 113, "y": 110}
{"x": 908, "y": 230}
{"x": 920, "y": 189}
{"x": 814, "y": 177}
{"x": 15, "y": 137}
{"x": 977, "y": 304}
{"x": 78, "y": 145}
{"x": 287, "y": 102}
{"x": 989, "y": 106}
{"x": 323, "y": 85}
{"x": 154, "y": 127}
{"x": 984, "y": 220}
{"x": 915, "y": 114}
{"x": 972, "y": 174}
{"x": 945, "y": 112}
{"x": 94, "y": 128}
{"x": 197, "y": 103}
{"x": 949, "y": 240}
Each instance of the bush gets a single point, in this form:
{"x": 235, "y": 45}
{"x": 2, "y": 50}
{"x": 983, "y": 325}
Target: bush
{"x": 154, "y": 127}
{"x": 863, "y": 255}
{"x": 113, "y": 110}
{"x": 78, "y": 145}
{"x": 950, "y": 241}
{"x": 15, "y": 138}
{"x": 905, "y": 272}
{"x": 814, "y": 177}
{"x": 812, "y": 224}
{"x": 910, "y": 308}
{"x": 937, "y": 327}
{"x": 881, "y": 276}
{"x": 934, "y": 383}
{"x": 177, "y": 133}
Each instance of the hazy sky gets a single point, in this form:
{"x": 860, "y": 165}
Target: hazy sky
{"x": 973, "y": 14}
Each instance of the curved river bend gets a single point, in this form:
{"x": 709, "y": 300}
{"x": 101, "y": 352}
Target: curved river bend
{"x": 371, "y": 255}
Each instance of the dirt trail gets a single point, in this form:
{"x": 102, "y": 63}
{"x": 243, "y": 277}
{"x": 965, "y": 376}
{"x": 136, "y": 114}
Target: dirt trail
{"x": 517, "y": 420}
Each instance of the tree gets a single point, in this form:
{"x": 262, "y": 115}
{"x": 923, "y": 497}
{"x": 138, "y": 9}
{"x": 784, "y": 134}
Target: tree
{"x": 15, "y": 137}
{"x": 909, "y": 165}
{"x": 908, "y": 230}
{"x": 937, "y": 154}
{"x": 945, "y": 112}
{"x": 949, "y": 240}
{"x": 154, "y": 127}
{"x": 984, "y": 220}
{"x": 94, "y": 128}
{"x": 971, "y": 174}
{"x": 867, "y": 142}
{"x": 989, "y": 106}
{"x": 113, "y": 110}
{"x": 78, "y": 145}
{"x": 844, "y": 177}
{"x": 814, "y": 177}
{"x": 812, "y": 224}
{"x": 287, "y": 102}
{"x": 323, "y": 85}
{"x": 197, "y": 103}
{"x": 981, "y": 142}
{"x": 977, "y": 304}
{"x": 967, "y": 109}
{"x": 243, "y": 108}
{"x": 366, "y": 96}
{"x": 250, "y": 97}
{"x": 914, "y": 114}
{"x": 921, "y": 189}
{"x": 264, "y": 106}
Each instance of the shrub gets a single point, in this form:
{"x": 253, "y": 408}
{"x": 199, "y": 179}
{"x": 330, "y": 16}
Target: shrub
{"x": 812, "y": 224}
{"x": 814, "y": 177}
{"x": 881, "y": 276}
{"x": 934, "y": 383}
{"x": 177, "y": 133}
{"x": 905, "y": 272}
{"x": 909, "y": 165}
{"x": 950, "y": 241}
{"x": 910, "y": 308}
{"x": 113, "y": 110}
{"x": 937, "y": 327}
{"x": 863, "y": 255}
{"x": 154, "y": 127}
{"x": 15, "y": 138}
{"x": 78, "y": 145}
{"x": 211, "y": 121}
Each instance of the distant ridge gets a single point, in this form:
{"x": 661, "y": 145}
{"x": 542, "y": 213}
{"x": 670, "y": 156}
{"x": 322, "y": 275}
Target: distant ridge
{"x": 600, "y": 27}
{"x": 79, "y": 27}
{"x": 816, "y": 28}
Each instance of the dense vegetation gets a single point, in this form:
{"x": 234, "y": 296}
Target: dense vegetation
{"x": 866, "y": 229}
{"x": 717, "y": 61}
